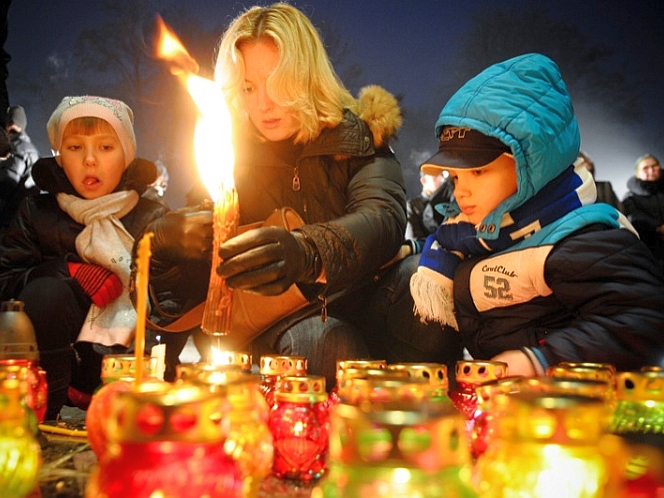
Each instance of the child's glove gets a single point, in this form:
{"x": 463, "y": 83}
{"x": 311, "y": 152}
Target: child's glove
{"x": 461, "y": 237}
{"x": 102, "y": 285}
{"x": 268, "y": 260}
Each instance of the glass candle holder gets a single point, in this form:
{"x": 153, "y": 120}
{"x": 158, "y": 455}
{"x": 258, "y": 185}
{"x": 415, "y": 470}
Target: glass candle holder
{"x": 343, "y": 366}
{"x": 227, "y": 357}
{"x": 435, "y": 373}
{"x": 469, "y": 374}
{"x": 397, "y": 450}
{"x": 639, "y": 403}
{"x": 603, "y": 372}
{"x": 273, "y": 367}
{"x": 35, "y": 377}
{"x": 299, "y": 423}
{"x": 166, "y": 440}
{"x": 546, "y": 445}
{"x": 249, "y": 440}
{"x": 20, "y": 454}
{"x": 118, "y": 373}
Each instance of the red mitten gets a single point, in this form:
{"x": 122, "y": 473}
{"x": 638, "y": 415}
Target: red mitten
{"x": 102, "y": 285}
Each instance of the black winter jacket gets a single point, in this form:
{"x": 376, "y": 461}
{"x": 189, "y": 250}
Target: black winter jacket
{"x": 644, "y": 207}
{"x": 588, "y": 317}
{"x": 41, "y": 238}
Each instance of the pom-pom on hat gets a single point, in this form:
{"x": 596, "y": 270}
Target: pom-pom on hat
{"x": 463, "y": 148}
{"x": 115, "y": 112}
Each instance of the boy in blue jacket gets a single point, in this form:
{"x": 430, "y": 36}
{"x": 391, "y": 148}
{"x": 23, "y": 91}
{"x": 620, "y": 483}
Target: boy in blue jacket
{"x": 526, "y": 266}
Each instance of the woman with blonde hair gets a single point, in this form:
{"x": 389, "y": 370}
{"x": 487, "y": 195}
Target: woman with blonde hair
{"x": 304, "y": 142}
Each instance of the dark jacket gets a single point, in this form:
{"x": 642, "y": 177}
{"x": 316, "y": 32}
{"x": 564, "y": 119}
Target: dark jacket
{"x": 423, "y": 217}
{"x": 644, "y": 207}
{"x": 41, "y": 238}
{"x": 350, "y": 193}
{"x": 588, "y": 317}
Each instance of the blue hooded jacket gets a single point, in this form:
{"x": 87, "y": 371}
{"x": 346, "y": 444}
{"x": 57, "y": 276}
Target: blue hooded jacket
{"x": 524, "y": 103}
{"x": 563, "y": 281}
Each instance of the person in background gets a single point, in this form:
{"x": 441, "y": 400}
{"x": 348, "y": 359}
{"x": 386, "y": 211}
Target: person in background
{"x": 424, "y": 211}
{"x": 68, "y": 251}
{"x": 528, "y": 268}
{"x": 16, "y": 170}
{"x": 158, "y": 188}
{"x": 605, "y": 191}
{"x": 304, "y": 142}
{"x": 644, "y": 204}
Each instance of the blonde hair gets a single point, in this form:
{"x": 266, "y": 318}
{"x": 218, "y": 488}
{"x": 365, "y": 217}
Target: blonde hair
{"x": 88, "y": 125}
{"x": 303, "y": 81}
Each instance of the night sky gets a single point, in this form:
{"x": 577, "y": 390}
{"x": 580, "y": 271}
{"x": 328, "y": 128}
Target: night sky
{"x": 402, "y": 45}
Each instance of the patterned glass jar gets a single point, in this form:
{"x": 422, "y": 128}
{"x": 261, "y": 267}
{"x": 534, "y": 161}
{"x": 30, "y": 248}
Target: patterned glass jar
{"x": 299, "y": 423}
{"x": 273, "y": 367}
{"x": 546, "y": 445}
{"x": 20, "y": 454}
{"x": 397, "y": 450}
{"x": 249, "y": 441}
{"x": 166, "y": 440}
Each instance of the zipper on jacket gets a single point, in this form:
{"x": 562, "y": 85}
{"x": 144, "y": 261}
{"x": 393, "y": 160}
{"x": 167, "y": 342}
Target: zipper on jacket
{"x": 296, "y": 179}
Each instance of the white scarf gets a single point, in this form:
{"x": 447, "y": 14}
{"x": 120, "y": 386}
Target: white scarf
{"x": 105, "y": 242}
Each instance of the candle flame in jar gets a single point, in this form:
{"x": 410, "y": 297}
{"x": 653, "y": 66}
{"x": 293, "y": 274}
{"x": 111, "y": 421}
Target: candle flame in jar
{"x": 213, "y": 138}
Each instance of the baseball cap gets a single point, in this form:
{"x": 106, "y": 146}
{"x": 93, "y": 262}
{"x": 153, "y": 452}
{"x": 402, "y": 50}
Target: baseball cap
{"x": 463, "y": 148}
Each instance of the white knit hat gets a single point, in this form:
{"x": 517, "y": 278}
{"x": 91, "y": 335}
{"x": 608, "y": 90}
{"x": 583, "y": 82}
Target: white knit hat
{"x": 115, "y": 112}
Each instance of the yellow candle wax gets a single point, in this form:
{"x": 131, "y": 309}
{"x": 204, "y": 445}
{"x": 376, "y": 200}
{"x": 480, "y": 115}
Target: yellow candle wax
{"x": 142, "y": 278}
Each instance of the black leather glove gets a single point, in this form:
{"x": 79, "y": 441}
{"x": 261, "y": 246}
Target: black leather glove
{"x": 182, "y": 234}
{"x": 268, "y": 260}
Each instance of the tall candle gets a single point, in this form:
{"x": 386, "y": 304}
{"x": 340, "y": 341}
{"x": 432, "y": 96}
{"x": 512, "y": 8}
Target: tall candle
{"x": 217, "y": 312}
{"x": 142, "y": 278}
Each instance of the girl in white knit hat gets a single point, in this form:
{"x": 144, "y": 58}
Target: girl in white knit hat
{"x": 67, "y": 254}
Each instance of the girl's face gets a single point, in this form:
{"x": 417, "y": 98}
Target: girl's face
{"x": 480, "y": 191}
{"x": 93, "y": 163}
{"x": 273, "y": 121}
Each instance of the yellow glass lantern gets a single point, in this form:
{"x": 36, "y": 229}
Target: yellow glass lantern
{"x": 397, "y": 450}
{"x": 545, "y": 445}
{"x": 20, "y": 454}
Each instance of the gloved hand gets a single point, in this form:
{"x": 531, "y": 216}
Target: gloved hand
{"x": 182, "y": 234}
{"x": 102, "y": 285}
{"x": 460, "y": 237}
{"x": 439, "y": 259}
{"x": 268, "y": 260}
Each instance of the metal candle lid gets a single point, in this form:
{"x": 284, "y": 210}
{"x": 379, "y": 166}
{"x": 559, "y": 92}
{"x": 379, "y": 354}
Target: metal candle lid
{"x": 17, "y": 335}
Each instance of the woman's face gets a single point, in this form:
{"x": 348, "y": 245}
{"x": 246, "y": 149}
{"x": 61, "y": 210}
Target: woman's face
{"x": 273, "y": 121}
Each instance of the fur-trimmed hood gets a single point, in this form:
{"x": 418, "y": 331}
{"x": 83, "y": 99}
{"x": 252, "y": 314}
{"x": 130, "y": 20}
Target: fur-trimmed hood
{"x": 380, "y": 110}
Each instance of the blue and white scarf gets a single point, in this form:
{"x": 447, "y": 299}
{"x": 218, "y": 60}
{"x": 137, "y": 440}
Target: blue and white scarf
{"x": 563, "y": 206}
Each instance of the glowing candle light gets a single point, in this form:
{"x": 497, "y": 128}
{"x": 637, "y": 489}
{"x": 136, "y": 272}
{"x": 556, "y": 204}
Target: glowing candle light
{"x": 212, "y": 137}
{"x": 142, "y": 278}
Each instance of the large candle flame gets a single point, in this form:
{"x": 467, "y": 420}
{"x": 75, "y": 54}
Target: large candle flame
{"x": 213, "y": 138}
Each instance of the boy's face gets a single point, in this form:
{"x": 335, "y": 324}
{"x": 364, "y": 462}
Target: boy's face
{"x": 480, "y": 191}
{"x": 93, "y": 163}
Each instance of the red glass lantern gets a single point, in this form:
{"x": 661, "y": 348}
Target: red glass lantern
{"x": 299, "y": 423}
{"x": 168, "y": 441}
{"x": 36, "y": 396}
{"x": 273, "y": 367}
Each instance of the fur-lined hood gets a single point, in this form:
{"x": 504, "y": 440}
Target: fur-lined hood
{"x": 380, "y": 110}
